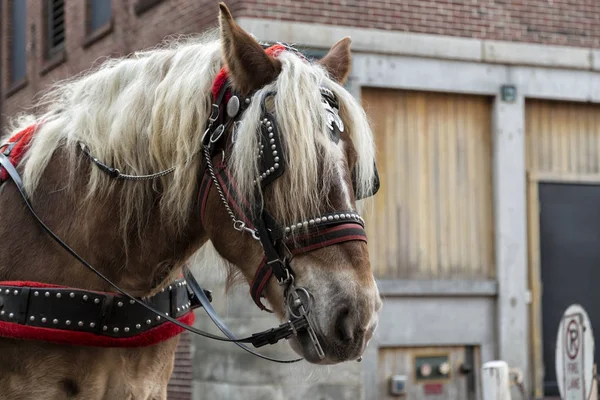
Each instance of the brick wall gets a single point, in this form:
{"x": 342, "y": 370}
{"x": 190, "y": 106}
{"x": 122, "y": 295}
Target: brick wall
{"x": 561, "y": 22}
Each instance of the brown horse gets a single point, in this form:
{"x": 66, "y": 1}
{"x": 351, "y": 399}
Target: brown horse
{"x": 147, "y": 113}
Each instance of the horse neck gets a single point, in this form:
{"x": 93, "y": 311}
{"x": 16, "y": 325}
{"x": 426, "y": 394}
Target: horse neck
{"x": 149, "y": 259}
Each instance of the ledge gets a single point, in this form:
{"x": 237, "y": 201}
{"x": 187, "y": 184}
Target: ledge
{"x": 437, "y": 288}
{"x": 15, "y": 87}
{"x": 53, "y": 62}
{"x": 98, "y": 34}
{"x": 369, "y": 40}
{"x": 144, "y": 5}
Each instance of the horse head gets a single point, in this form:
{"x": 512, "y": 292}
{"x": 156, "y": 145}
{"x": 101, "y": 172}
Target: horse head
{"x": 291, "y": 155}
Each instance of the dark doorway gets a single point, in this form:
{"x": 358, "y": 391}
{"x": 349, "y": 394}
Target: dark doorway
{"x": 570, "y": 261}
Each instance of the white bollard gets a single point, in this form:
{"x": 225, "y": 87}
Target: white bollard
{"x": 495, "y": 383}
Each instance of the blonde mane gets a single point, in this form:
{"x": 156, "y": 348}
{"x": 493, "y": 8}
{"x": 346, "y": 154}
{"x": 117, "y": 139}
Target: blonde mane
{"x": 147, "y": 112}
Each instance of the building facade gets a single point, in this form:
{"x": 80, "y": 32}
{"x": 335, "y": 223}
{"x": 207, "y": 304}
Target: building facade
{"x": 486, "y": 115}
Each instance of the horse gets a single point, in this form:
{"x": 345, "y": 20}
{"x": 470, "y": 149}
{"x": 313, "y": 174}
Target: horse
{"x": 262, "y": 153}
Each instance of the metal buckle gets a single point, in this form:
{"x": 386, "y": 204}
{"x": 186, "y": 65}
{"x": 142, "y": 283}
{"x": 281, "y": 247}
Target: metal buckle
{"x": 214, "y": 113}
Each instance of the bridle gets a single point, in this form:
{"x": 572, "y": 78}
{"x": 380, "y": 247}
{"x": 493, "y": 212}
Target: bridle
{"x": 279, "y": 243}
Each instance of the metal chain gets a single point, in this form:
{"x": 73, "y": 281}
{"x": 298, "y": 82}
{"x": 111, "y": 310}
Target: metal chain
{"x": 115, "y": 173}
{"x": 238, "y": 225}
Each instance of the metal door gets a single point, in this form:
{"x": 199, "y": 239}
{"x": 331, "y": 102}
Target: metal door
{"x": 570, "y": 261}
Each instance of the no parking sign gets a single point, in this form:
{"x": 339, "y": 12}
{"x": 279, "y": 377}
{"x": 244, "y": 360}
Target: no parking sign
{"x": 575, "y": 355}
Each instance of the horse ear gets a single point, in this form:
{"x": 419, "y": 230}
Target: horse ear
{"x": 338, "y": 60}
{"x": 249, "y": 66}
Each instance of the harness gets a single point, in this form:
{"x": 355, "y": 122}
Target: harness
{"x": 30, "y": 310}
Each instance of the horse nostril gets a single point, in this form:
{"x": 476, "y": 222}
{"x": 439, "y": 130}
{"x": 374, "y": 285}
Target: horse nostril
{"x": 344, "y": 328}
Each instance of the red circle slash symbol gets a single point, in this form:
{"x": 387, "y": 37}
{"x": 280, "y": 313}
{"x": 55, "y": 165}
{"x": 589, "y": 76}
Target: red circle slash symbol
{"x": 573, "y": 339}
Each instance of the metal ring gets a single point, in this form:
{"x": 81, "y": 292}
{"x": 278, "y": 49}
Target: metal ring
{"x": 218, "y": 132}
{"x": 239, "y": 225}
{"x": 290, "y": 299}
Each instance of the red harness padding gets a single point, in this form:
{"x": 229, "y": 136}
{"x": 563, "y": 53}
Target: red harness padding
{"x": 15, "y": 148}
{"x": 160, "y": 333}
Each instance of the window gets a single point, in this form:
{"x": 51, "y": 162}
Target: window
{"x": 99, "y": 14}
{"x": 55, "y": 17}
{"x": 18, "y": 45}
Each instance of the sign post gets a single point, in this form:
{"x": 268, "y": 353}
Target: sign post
{"x": 575, "y": 355}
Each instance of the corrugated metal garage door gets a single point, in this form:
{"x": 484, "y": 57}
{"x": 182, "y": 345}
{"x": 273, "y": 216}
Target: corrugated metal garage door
{"x": 433, "y": 215}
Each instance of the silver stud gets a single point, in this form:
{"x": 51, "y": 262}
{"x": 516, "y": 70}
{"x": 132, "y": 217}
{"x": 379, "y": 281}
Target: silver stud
{"x": 80, "y": 323}
{"x": 299, "y": 225}
{"x": 47, "y": 294}
{"x": 268, "y": 172}
{"x": 271, "y": 134}
{"x": 71, "y": 295}
{"x": 92, "y": 324}
{"x": 85, "y": 297}
{"x": 293, "y": 227}
{"x": 273, "y": 147}
{"x": 305, "y": 224}
{"x": 287, "y": 229}
{"x": 348, "y": 216}
{"x": 32, "y": 318}
{"x": 148, "y": 322}
{"x": 105, "y": 328}
{"x": 330, "y": 218}
{"x": 274, "y": 153}
{"x": 2, "y": 312}
{"x": 96, "y": 300}
{"x": 7, "y": 291}
{"x": 137, "y": 326}
{"x": 276, "y": 166}
{"x": 158, "y": 317}
{"x": 16, "y": 292}
{"x": 36, "y": 293}
{"x": 120, "y": 304}
{"x": 272, "y": 169}
{"x": 268, "y": 123}
{"x": 126, "y": 329}
{"x": 68, "y": 322}
{"x": 264, "y": 175}
{"x": 170, "y": 287}
{"x": 336, "y": 217}
{"x": 270, "y": 128}
{"x": 247, "y": 101}
{"x": 44, "y": 320}
{"x": 272, "y": 141}
{"x": 262, "y": 146}
{"x": 178, "y": 309}
{"x": 167, "y": 314}
{"x": 58, "y": 295}
{"x": 318, "y": 220}
{"x": 11, "y": 315}
{"x": 115, "y": 330}
{"x": 261, "y": 152}
{"x": 265, "y": 120}
{"x": 55, "y": 321}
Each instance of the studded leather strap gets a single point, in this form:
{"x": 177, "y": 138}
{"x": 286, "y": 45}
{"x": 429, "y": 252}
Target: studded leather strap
{"x": 107, "y": 314}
